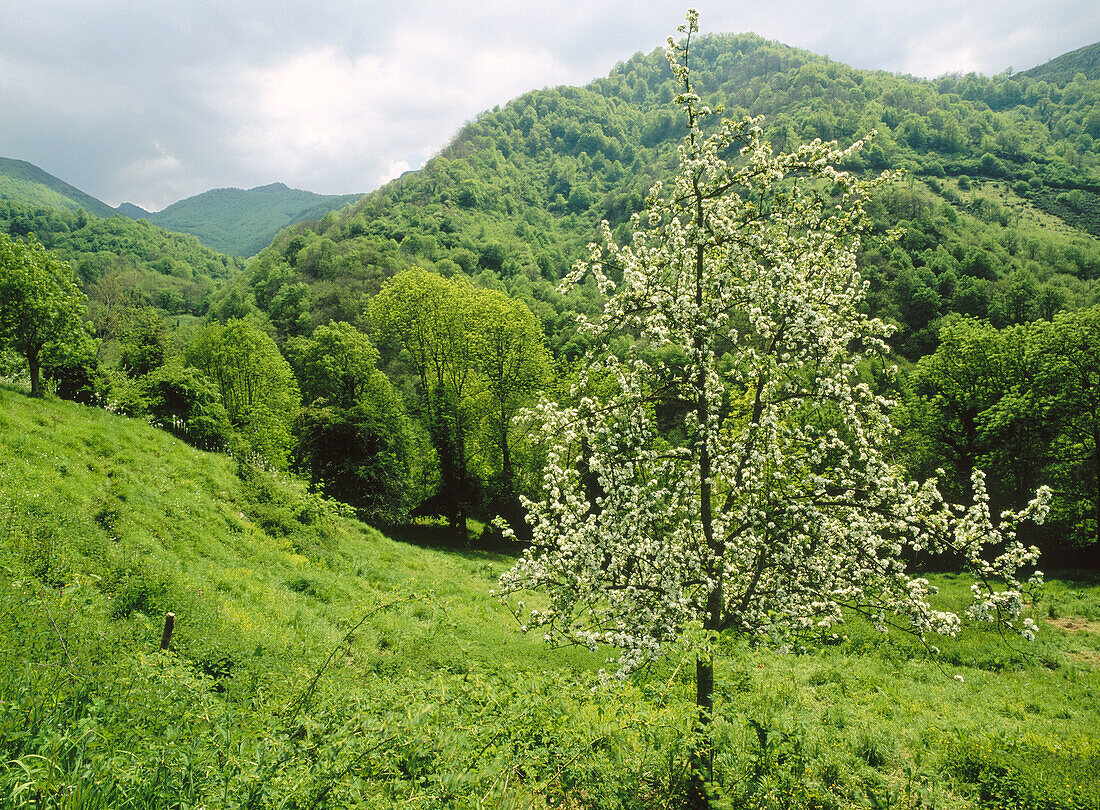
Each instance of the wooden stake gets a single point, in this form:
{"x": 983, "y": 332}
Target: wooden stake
{"x": 169, "y": 626}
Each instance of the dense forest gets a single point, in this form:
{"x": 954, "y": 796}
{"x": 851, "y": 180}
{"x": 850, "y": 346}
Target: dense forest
{"x": 994, "y": 219}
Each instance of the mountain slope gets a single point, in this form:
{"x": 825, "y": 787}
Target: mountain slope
{"x": 1062, "y": 69}
{"x": 1002, "y": 179}
{"x": 172, "y": 271}
{"x": 24, "y": 182}
{"x": 241, "y": 222}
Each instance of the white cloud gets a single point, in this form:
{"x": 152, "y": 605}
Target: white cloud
{"x": 336, "y": 97}
{"x": 396, "y": 169}
{"x": 157, "y": 173}
{"x": 325, "y": 108}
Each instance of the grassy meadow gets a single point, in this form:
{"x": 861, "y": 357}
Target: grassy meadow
{"x": 319, "y": 663}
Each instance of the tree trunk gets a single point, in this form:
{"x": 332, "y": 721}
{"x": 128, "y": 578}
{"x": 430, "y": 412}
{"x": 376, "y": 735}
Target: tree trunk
{"x": 506, "y": 473}
{"x": 702, "y": 755}
{"x": 702, "y": 770}
{"x": 35, "y": 369}
{"x": 1096, "y": 487}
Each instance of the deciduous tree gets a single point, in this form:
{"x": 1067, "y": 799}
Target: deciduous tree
{"x": 257, "y": 387}
{"x": 768, "y": 508}
{"x": 514, "y": 364}
{"x": 432, "y": 319}
{"x": 353, "y": 437}
{"x": 41, "y": 307}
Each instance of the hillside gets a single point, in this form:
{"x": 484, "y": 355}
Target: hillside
{"x": 314, "y": 659}
{"x": 1002, "y": 181}
{"x": 241, "y": 222}
{"x": 25, "y": 183}
{"x": 171, "y": 271}
{"x": 232, "y": 221}
{"x": 1062, "y": 69}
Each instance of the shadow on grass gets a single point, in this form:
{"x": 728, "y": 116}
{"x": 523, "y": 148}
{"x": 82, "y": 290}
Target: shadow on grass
{"x": 1074, "y": 577}
{"x": 479, "y": 541}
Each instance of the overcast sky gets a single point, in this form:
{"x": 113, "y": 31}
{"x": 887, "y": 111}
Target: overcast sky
{"x": 151, "y": 101}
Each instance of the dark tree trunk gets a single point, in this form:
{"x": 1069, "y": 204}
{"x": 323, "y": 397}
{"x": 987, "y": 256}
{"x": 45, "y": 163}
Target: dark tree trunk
{"x": 702, "y": 764}
{"x": 35, "y": 369}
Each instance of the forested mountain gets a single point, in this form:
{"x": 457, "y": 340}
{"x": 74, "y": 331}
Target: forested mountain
{"x": 995, "y": 216}
{"x": 241, "y": 222}
{"x": 172, "y": 271}
{"x": 234, "y": 221}
{"x": 1000, "y": 195}
{"x": 25, "y": 183}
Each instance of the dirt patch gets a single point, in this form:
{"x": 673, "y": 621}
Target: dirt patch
{"x": 1075, "y": 624}
{"x": 1086, "y": 657}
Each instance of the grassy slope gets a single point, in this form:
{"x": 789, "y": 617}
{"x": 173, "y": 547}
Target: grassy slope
{"x": 26, "y": 183}
{"x": 437, "y": 699}
{"x": 115, "y": 506}
{"x": 1062, "y": 69}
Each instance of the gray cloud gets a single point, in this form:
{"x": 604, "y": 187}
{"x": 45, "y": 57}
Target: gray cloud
{"x": 151, "y": 102}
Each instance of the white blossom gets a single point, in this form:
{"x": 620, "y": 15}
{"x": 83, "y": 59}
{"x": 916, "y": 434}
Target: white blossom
{"x": 729, "y": 473}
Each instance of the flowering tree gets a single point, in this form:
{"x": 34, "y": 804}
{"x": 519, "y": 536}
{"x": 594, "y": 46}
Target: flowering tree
{"x": 728, "y": 472}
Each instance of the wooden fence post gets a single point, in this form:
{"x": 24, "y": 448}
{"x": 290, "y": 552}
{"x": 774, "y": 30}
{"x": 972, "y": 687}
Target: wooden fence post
{"x": 169, "y": 626}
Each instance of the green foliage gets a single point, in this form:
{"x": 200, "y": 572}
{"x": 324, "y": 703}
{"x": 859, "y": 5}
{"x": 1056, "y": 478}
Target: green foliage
{"x": 352, "y": 438}
{"x": 41, "y": 308}
{"x": 170, "y": 271}
{"x": 256, "y": 384}
{"x": 241, "y": 223}
{"x": 26, "y": 183}
{"x": 1035, "y": 773}
{"x": 478, "y": 357}
{"x": 1065, "y": 68}
{"x": 1021, "y": 403}
{"x": 186, "y": 403}
{"x": 335, "y": 364}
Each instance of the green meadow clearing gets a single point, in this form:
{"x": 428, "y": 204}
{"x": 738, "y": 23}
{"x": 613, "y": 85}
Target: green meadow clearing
{"x": 318, "y": 662}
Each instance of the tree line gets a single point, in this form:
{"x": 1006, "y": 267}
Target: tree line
{"x": 1021, "y": 403}
{"x": 440, "y": 439}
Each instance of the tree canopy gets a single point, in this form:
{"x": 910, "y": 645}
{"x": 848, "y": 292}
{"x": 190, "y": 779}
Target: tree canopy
{"x": 257, "y": 387}
{"x": 721, "y": 465}
{"x": 41, "y": 307}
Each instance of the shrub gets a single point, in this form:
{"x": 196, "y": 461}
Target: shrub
{"x": 1030, "y": 774}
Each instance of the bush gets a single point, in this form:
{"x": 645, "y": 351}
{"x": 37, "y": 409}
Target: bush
{"x": 186, "y": 403}
{"x": 1031, "y": 774}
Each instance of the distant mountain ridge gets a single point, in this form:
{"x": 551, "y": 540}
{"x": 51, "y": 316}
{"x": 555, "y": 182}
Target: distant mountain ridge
{"x": 24, "y": 182}
{"x": 1062, "y": 69}
{"x": 234, "y": 221}
{"x": 241, "y": 222}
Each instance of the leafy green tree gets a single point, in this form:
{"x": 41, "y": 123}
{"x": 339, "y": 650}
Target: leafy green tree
{"x": 336, "y": 364}
{"x": 353, "y": 437}
{"x": 514, "y": 364}
{"x": 432, "y": 320}
{"x": 187, "y": 403}
{"x": 362, "y": 454}
{"x": 145, "y": 340}
{"x": 41, "y": 307}
{"x": 1070, "y": 380}
{"x": 256, "y": 384}
{"x": 955, "y": 385}
{"x": 771, "y": 509}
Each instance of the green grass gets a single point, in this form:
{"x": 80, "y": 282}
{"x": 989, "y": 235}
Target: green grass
{"x": 318, "y": 663}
